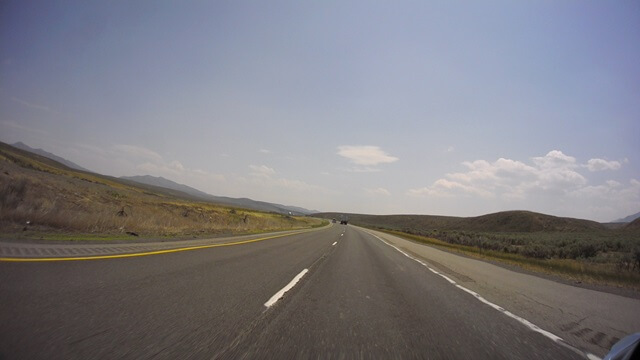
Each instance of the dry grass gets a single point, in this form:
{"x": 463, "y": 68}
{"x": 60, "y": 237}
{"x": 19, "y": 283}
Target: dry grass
{"x": 574, "y": 270}
{"x": 38, "y": 196}
{"x": 576, "y": 249}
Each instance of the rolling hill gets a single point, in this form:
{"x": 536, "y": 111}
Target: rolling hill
{"x": 194, "y": 194}
{"x": 634, "y": 225}
{"x": 42, "y": 196}
{"x": 628, "y": 219}
{"x": 71, "y": 164}
{"x": 239, "y": 202}
{"x": 507, "y": 221}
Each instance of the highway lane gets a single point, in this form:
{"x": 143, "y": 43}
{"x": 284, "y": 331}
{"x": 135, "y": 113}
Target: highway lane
{"x": 589, "y": 319}
{"x": 360, "y": 299}
{"x": 179, "y": 305}
{"x": 369, "y": 301}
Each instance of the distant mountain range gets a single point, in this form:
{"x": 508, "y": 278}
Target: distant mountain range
{"x": 513, "y": 221}
{"x": 63, "y": 161}
{"x": 46, "y": 195}
{"x": 628, "y": 219}
{"x": 239, "y": 202}
{"x": 171, "y": 185}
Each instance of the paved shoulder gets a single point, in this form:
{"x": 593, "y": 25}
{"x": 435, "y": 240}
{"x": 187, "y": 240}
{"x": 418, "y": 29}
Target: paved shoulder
{"x": 588, "y": 319}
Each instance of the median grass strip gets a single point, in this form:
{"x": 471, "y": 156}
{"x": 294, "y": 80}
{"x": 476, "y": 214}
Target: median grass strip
{"x": 88, "y": 237}
{"x": 570, "y": 269}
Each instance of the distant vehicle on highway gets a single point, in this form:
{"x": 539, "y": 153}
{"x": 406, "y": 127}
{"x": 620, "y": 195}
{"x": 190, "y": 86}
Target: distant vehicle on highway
{"x": 333, "y": 221}
{"x": 344, "y": 220}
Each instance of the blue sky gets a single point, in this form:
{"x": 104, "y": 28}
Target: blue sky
{"x": 444, "y": 107}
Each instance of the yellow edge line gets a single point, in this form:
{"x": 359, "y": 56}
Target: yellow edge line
{"x": 158, "y": 252}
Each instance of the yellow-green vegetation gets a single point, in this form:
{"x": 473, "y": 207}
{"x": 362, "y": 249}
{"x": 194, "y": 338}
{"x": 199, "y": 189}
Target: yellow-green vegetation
{"x": 597, "y": 272}
{"x": 44, "y": 199}
{"x": 579, "y": 249}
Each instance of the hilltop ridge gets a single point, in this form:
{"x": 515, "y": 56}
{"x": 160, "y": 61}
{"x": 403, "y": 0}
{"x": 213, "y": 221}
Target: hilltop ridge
{"x": 505, "y": 221}
{"x": 41, "y": 152}
{"x": 629, "y": 218}
{"x": 193, "y": 194}
{"x": 240, "y": 202}
{"x": 42, "y": 196}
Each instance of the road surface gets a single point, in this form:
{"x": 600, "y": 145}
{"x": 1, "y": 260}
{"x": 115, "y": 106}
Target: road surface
{"x": 355, "y": 297}
{"x": 589, "y": 319}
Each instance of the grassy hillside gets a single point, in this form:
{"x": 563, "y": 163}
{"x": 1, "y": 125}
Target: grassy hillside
{"x": 507, "y": 221}
{"x": 222, "y": 200}
{"x": 49, "y": 155}
{"x": 39, "y": 195}
{"x": 634, "y": 225}
{"x": 581, "y": 249}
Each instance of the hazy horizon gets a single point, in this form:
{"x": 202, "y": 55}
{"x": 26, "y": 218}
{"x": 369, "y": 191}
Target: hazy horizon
{"x": 436, "y": 108}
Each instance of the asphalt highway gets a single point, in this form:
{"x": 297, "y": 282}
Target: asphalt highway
{"x": 350, "y": 295}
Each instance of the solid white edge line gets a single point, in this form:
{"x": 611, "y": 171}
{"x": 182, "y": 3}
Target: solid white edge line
{"x": 521, "y": 320}
{"x": 334, "y": 244}
{"x": 290, "y": 285}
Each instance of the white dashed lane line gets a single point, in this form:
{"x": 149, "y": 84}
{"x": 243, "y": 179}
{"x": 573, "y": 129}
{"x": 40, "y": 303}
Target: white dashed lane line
{"x": 289, "y": 286}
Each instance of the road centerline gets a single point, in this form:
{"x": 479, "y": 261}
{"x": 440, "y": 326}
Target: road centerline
{"x": 288, "y": 287}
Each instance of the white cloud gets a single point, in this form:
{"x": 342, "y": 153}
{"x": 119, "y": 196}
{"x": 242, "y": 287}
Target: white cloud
{"x": 139, "y": 160}
{"x": 378, "y": 191}
{"x": 554, "y": 173}
{"x": 138, "y": 152}
{"x": 610, "y": 191}
{"x": 601, "y": 164}
{"x": 261, "y": 171}
{"x": 423, "y": 192}
{"x": 295, "y": 185}
{"x": 365, "y": 155}
{"x": 608, "y": 201}
{"x": 554, "y": 183}
{"x": 613, "y": 183}
{"x": 264, "y": 151}
{"x": 263, "y": 176}
{"x": 447, "y": 188}
{"x": 554, "y": 159}
{"x": 366, "y": 169}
